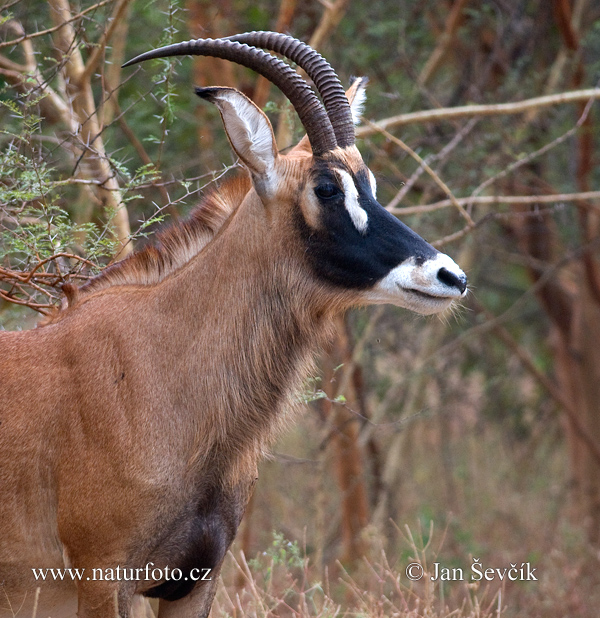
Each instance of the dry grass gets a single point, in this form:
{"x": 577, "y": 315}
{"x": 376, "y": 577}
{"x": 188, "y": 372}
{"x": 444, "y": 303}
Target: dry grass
{"x": 501, "y": 501}
{"x": 280, "y": 583}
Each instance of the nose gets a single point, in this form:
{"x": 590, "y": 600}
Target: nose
{"x": 453, "y": 280}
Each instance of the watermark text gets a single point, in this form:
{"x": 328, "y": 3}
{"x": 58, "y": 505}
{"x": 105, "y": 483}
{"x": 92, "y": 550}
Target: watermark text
{"x": 149, "y": 573}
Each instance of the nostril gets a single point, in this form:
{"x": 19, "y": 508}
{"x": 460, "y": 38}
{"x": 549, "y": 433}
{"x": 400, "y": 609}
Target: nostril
{"x": 452, "y": 280}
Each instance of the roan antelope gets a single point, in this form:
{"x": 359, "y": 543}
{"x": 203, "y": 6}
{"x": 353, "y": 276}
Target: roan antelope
{"x": 134, "y": 441}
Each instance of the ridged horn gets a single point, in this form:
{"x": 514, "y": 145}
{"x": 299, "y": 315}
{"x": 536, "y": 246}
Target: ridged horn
{"x": 317, "y": 68}
{"x": 313, "y": 116}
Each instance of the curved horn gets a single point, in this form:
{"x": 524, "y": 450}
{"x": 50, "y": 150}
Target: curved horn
{"x": 317, "y": 68}
{"x": 308, "y": 107}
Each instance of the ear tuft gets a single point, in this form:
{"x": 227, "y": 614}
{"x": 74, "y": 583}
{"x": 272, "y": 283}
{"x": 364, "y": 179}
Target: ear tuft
{"x": 357, "y": 96}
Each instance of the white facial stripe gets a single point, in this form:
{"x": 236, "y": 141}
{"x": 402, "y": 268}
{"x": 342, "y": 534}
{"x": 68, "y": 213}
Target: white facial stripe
{"x": 373, "y": 184}
{"x": 357, "y": 214}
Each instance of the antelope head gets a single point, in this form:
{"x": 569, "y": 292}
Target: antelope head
{"x": 329, "y": 195}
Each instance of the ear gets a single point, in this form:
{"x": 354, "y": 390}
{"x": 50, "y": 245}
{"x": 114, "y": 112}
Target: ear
{"x": 248, "y": 130}
{"x": 357, "y": 97}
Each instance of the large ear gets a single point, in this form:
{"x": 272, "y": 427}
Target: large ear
{"x": 248, "y": 130}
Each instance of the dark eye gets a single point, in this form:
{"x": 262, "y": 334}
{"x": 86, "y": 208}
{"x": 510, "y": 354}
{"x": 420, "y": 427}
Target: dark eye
{"x": 327, "y": 191}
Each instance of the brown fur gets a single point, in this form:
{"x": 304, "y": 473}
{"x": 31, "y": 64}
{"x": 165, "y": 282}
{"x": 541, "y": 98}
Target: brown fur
{"x": 158, "y": 388}
{"x": 173, "y": 247}
{"x": 132, "y": 424}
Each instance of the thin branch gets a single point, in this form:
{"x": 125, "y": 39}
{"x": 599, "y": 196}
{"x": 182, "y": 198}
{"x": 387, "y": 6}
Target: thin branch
{"x": 470, "y": 228}
{"x": 287, "y": 8}
{"x": 439, "y": 53}
{"x": 81, "y": 98}
{"x": 502, "y": 199}
{"x": 330, "y": 19}
{"x": 460, "y": 234}
{"x": 9, "y": 65}
{"x": 559, "y": 69}
{"x": 25, "y": 37}
{"x": 56, "y": 256}
{"x": 498, "y": 109}
{"x": 96, "y": 55}
{"x": 536, "y": 153}
{"x": 439, "y": 157}
{"x": 508, "y": 314}
{"x": 525, "y": 358}
{"x": 5, "y": 7}
{"x": 441, "y": 184}
{"x": 43, "y": 309}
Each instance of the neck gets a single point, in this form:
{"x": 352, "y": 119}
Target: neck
{"x": 243, "y": 343}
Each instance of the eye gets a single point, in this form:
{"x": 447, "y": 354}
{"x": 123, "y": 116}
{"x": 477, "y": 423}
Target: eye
{"x": 327, "y": 191}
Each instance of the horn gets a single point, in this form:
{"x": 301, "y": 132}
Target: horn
{"x": 313, "y": 116}
{"x": 319, "y": 71}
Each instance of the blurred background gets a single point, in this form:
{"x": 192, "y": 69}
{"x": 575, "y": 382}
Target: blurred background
{"x": 474, "y": 436}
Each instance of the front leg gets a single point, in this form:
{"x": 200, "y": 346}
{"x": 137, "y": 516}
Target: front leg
{"x": 104, "y": 599}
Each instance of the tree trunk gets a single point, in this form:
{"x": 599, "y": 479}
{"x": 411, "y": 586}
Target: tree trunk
{"x": 347, "y": 452}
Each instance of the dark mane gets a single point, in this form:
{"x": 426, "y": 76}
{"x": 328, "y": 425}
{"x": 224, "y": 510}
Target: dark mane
{"x": 173, "y": 247}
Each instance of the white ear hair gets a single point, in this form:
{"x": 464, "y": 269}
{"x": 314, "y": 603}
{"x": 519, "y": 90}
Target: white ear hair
{"x": 248, "y": 130}
{"x": 357, "y": 96}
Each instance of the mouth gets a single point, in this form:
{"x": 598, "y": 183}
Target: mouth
{"x": 433, "y": 297}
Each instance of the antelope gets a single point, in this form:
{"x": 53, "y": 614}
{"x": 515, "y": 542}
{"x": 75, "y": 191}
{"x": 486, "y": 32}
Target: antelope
{"x": 133, "y": 422}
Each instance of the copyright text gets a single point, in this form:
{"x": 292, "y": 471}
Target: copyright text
{"x": 515, "y": 572}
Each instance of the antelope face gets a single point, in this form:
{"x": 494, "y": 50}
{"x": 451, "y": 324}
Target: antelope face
{"x": 354, "y": 243}
{"x": 350, "y": 240}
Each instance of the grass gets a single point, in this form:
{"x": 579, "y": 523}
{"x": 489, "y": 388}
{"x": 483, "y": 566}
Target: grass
{"x": 508, "y": 505}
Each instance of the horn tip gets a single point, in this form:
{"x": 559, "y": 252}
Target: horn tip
{"x": 135, "y": 60}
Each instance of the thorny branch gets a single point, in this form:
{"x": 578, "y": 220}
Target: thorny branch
{"x": 439, "y": 157}
{"x": 96, "y": 55}
{"x": 41, "y": 281}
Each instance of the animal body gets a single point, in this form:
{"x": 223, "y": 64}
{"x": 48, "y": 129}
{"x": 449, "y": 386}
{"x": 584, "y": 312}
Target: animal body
{"x": 131, "y": 425}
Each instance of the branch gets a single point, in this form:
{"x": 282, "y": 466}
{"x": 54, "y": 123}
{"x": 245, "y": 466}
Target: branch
{"x": 25, "y": 37}
{"x": 9, "y": 65}
{"x": 537, "y": 153}
{"x": 439, "y": 158}
{"x": 452, "y": 23}
{"x": 329, "y": 20}
{"x": 29, "y": 78}
{"x": 44, "y": 309}
{"x": 81, "y": 98}
{"x": 441, "y": 184}
{"x": 497, "y": 109}
{"x": 525, "y": 358}
{"x": 549, "y": 274}
{"x": 502, "y": 199}
{"x": 96, "y": 55}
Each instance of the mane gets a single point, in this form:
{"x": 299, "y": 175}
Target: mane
{"x": 173, "y": 248}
